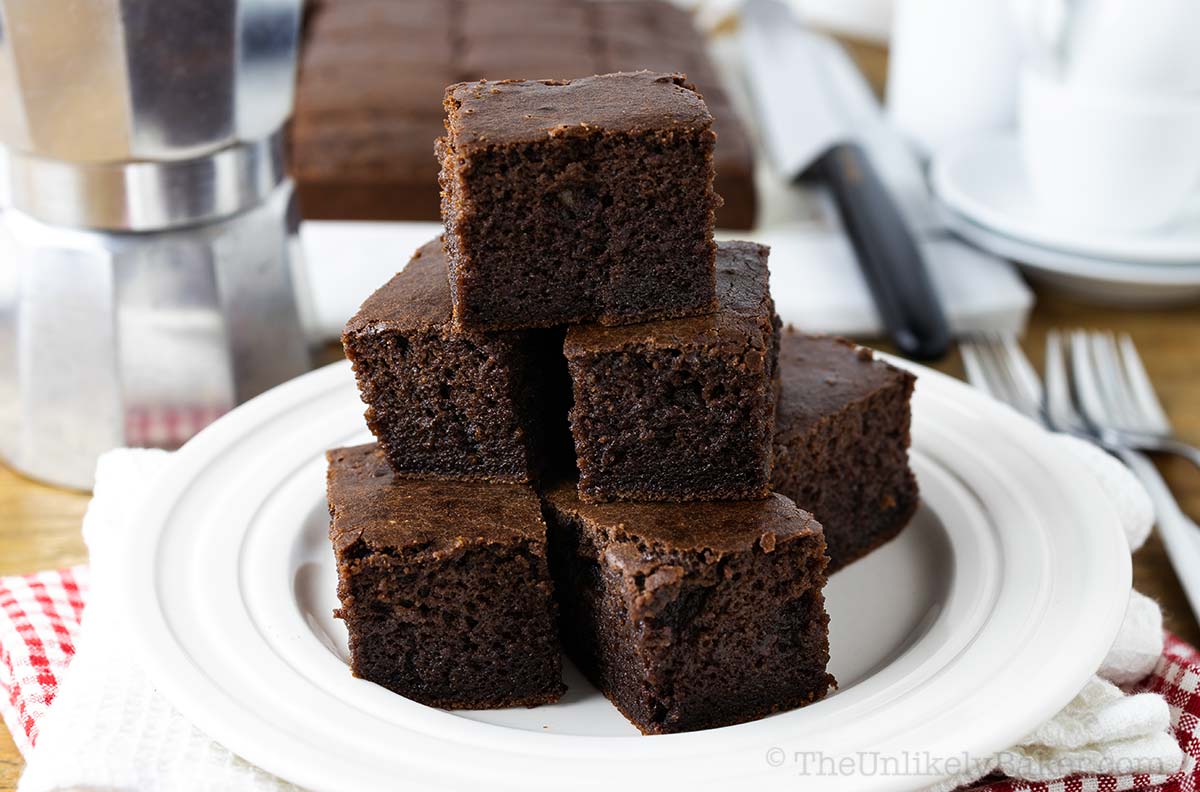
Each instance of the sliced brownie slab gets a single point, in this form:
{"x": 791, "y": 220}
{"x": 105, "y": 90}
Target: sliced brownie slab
{"x": 692, "y": 616}
{"x": 841, "y": 442}
{"x": 448, "y": 404}
{"x": 681, "y": 409}
{"x": 444, "y": 586}
{"x": 578, "y": 200}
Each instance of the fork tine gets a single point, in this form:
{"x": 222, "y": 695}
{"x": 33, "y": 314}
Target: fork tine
{"x": 990, "y": 360}
{"x": 1084, "y": 387}
{"x": 1110, "y": 380}
{"x": 994, "y": 368}
{"x": 1123, "y": 384}
{"x": 982, "y": 370}
{"x": 973, "y": 364}
{"x": 999, "y": 382}
{"x": 1059, "y": 410}
{"x": 1150, "y": 414}
{"x": 1023, "y": 376}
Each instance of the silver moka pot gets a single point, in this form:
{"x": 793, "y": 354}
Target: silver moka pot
{"x": 146, "y": 235}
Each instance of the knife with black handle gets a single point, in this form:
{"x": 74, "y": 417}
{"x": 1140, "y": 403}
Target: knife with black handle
{"x": 811, "y": 133}
{"x": 888, "y": 255}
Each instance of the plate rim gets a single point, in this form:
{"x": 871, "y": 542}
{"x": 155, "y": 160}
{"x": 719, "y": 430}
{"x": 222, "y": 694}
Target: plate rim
{"x": 1104, "y": 283}
{"x": 1123, "y": 250}
{"x": 138, "y": 582}
{"x": 1065, "y": 263}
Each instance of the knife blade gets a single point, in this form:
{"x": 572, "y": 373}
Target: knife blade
{"x": 810, "y": 133}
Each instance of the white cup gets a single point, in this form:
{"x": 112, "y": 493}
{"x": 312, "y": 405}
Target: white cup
{"x": 1106, "y": 159}
{"x": 952, "y": 70}
{"x": 1134, "y": 45}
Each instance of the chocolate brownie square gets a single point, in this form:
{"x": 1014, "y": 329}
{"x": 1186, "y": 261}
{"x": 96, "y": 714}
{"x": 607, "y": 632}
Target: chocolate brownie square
{"x": 528, "y": 55}
{"x": 483, "y": 19}
{"x": 660, "y": 36}
{"x": 368, "y": 111}
{"x": 359, "y": 150}
{"x": 681, "y": 409}
{"x": 449, "y": 404}
{"x": 734, "y": 162}
{"x": 692, "y": 616}
{"x": 841, "y": 442}
{"x": 578, "y": 200}
{"x": 444, "y": 586}
{"x": 374, "y": 15}
{"x": 646, "y": 22}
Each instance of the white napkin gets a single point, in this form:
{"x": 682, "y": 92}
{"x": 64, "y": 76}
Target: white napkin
{"x": 109, "y": 727}
{"x": 1102, "y": 731}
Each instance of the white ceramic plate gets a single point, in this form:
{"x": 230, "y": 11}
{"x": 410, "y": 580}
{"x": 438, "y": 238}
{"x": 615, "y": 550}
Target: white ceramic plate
{"x": 1092, "y": 279}
{"x": 983, "y": 619}
{"x": 984, "y": 181}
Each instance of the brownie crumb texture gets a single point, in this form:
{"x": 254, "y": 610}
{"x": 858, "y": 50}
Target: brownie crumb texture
{"x": 842, "y": 440}
{"x": 692, "y": 616}
{"x": 446, "y": 404}
{"x": 444, "y": 586}
{"x": 681, "y": 409}
{"x": 567, "y": 201}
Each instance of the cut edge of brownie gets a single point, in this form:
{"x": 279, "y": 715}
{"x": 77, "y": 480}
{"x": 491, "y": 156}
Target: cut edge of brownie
{"x": 604, "y": 573}
{"x": 390, "y": 571}
{"x": 905, "y": 509}
{"x": 485, "y": 400}
{"x": 579, "y": 222}
{"x": 857, "y": 529}
{"x": 716, "y": 366}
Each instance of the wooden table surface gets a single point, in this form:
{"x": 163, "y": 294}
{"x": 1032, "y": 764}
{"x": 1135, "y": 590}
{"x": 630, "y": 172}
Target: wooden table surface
{"x": 39, "y": 525}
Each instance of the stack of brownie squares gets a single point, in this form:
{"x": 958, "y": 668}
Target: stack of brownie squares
{"x": 593, "y": 433}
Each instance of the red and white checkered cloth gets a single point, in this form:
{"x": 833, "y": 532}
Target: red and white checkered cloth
{"x": 40, "y": 615}
{"x": 39, "y": 619}
{"x": 1176, "y": 677}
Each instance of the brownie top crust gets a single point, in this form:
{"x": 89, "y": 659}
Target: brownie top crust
{"x": 496, "y": 113}
{"x": 416, "y": 298}
{"x": 822, "y": 374}
{"x": 743, "y": 300}
{"x": 368, "y": 504}
{"x": 715, "y": 526}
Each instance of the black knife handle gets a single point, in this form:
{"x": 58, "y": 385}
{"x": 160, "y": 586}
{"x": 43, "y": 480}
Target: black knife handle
{"x": 887, "y": 253}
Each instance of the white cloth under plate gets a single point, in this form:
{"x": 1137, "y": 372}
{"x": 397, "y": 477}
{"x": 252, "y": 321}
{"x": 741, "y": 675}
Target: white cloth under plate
{"x": 1102, "y": 731}
{"x": 108, "y": 728}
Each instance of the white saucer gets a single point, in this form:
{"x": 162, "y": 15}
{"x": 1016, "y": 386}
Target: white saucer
{"x": 984, "y": 181}
{"x": 982, "y": 620}
{"x": 1091, "y": 279}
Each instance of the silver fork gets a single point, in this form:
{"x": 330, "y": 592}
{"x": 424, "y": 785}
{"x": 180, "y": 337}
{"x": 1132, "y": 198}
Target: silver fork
{"x": 1075, "y": 400}
{"x": 1129, "y": 413}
